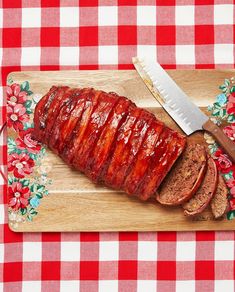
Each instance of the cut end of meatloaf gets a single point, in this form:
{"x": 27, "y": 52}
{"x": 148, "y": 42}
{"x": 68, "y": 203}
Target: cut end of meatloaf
{"x": 205, "y": 193}
{"x": 219, "y": 203}
{"x": 185, "y": 178}
{"x": 167, "y": 150}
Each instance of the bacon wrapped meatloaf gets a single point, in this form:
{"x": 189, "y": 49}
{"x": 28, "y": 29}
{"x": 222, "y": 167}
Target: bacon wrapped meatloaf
{"x": 107, "y": 137}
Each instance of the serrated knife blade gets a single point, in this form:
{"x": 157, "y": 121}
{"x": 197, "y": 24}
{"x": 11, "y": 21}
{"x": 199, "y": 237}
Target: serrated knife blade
{"x": 177, "y": 104}
{"x": 172, "y": 98}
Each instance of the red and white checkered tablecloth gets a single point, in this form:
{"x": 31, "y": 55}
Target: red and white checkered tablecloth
{"x": 99, "y": 34}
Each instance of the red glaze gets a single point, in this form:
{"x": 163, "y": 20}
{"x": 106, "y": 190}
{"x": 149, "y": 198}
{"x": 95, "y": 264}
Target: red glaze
{"x": 123, "y": 137}
{"x": 102, "y": 151}
{"x": 79, "y": 131}
{"x": 174, "y": 149}
{"x": 107, "y": 137}
{"x": 67, "y": 129}
{"x": 131, "y": 149}
{"x": 41, "y": 112}
{"x": 150, "y": 181}
{"x": 62, "y": 118}
{"x": 96, "y": 123}
{"x": 54, "y": 109}
{"x": 143, "y": 157}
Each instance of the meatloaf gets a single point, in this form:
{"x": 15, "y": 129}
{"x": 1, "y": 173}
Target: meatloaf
{"x": 185, "y": 178}
{"x": 205, "y": 193}
{"x": 219, "y": 203}
{"x": 107, "y": 137}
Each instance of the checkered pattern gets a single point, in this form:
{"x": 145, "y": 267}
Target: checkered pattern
{"x": 99, "y": 34}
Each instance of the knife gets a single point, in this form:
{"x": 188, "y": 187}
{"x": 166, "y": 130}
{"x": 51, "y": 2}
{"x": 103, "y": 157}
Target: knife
{"x": 177, "y": 104}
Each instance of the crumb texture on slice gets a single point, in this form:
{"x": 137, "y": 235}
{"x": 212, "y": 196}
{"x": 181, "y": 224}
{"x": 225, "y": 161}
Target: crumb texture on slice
{"x": 219, "y": 203}
{"x": 185, "y": 178}
{"x": 205, "y": 193}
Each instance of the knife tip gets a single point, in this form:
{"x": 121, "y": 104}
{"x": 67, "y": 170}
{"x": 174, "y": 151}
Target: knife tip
{"x": 135, "y": 60}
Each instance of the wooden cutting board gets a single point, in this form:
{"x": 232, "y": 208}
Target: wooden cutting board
{"x": 76, "y": 204}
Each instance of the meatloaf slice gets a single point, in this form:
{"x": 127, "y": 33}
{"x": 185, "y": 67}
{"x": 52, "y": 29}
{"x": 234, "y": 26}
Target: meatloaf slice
{"x": 185, "y": 178}
{"x": 143, "y": 158}
{"x": 169, "y": 147}
{"x": 96, "y": 123}
{"x": 102, "y": 152}
{"x": 205, "y": 193}
{"x": 41, "y": 113}
{"x": 219, "y": 203}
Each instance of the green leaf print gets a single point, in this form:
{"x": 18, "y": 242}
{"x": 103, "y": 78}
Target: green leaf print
{"x": 227, "y": 82}
{"x": 29, "y": 92}
{"x": 232, "y": 89}
{"x": 222, "y": 113}
{"x": 28, "y": 111}
{"x": 217, "y": 105}
{"x": 23, "y": 211}
{"x": 28, "y": 126}
{"x": 33, "y": 156}
{"x": 32, "y": 212}
{"x": 11, "y": 145}
{"x": 10, "y": 180}
{"x": 231, "y": 118}
{"x": 39, "y": 195}
{"x": 28, "y": 103}
{"x": 24, "y": 86}
{"x": 41, "y": 189}
{"x": 222, "y": 87}
{"x": 229, "y": 175}
{"x": 9, "y": 81}
{"x": 231, "y": 215}
{"x": 216, "y": 112}
{"x": 29, "y": 217}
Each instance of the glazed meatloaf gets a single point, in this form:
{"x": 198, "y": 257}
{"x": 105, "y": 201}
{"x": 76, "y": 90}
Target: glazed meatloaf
{"x": 107, "y": 137}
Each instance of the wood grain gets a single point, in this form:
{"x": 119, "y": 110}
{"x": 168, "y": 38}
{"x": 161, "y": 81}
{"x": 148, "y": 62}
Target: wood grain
{"x": 76, "y": 204}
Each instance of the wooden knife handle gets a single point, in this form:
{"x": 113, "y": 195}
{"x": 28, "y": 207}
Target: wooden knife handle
{"x": 227, "y": 144}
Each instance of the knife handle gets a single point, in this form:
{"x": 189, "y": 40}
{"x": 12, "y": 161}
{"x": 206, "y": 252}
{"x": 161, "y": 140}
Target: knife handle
{"x": 227, "y": 144}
